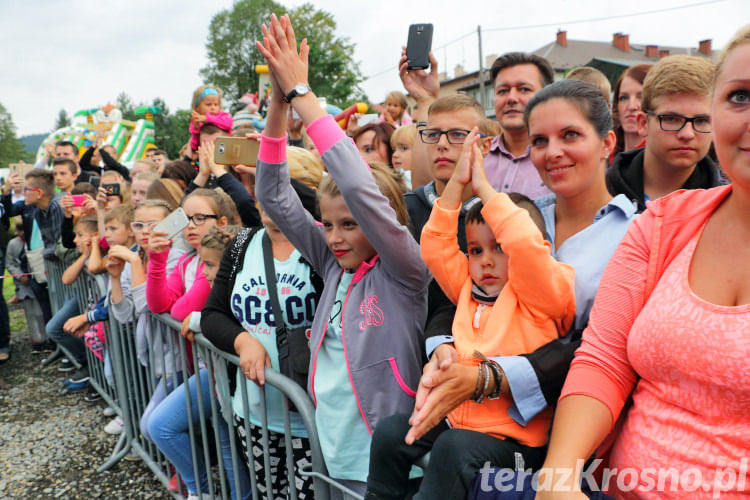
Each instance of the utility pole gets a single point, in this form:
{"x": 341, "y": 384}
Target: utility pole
{"x": 482, "y": 98}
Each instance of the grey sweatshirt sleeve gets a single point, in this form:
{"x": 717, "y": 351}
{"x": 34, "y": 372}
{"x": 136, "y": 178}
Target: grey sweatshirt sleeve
{"x": 279, "y": 200}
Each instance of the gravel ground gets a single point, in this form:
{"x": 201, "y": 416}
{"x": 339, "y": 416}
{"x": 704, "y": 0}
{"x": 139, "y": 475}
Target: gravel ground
{"x": 51, "y": 444}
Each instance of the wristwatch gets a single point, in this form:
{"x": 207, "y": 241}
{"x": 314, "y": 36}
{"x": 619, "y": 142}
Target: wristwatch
{"x": 299, "y": 89}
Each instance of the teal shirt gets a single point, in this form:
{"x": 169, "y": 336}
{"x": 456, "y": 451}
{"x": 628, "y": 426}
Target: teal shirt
{"x": 251, "y": 306}
{"x": 344, "y": 437}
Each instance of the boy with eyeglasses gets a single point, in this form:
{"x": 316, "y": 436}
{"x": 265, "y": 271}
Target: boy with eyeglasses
{"x": 676, "y": 123}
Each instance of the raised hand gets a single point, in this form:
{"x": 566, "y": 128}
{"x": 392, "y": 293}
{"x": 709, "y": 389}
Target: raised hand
{"x": 422, "y": 85}
{"x": 467, "y": 158}
{"x": 279, "y": 47}
{"x": 158, "y": 242}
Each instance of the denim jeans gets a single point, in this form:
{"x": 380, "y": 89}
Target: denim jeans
{"x": 73, "y": 345}
{"x": 456, "y": 456}
{"x": 168, "y": 428}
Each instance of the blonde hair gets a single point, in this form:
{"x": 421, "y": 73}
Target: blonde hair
{"x": 122, "y": 213}
{"x": 455, "y": 102}
{"x": 490, "y": 128}
{"x": 146, "y": 176}
{"x": 218, "y": 237}
{"x": 304, "y": 166}
{"x": 742, "y": 37}
{"x": 406, "y": 134}
{"x": 387, "y": 185}
{"x": 400, "y": 98}
{"x": 167, "y": 190}
{"x": 678, "y": 74}
{"x": 220, "y": 202}
{"x": 594, "y": 76}
{"x": 152, "y": 167}
{"x": 199, "y": 91}
{"x": 154, "y": 203}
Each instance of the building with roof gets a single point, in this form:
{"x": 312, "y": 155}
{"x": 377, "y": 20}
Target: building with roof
{"x": 611, "y": 58}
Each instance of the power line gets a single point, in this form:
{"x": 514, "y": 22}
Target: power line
{"x": 559, "y": 23}
{"x": 605, "y": 18}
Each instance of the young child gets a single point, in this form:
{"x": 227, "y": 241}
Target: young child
{"x": 365, "y": 341}
{"x": 402, "y": 142}
{"x": 395, "y": 110}
{"x": 139, "y": 188}
{"x": 185, "y": 289}
{"x": 169, "y": 423}
{"x": 512, "y": 296}
{"x": 15, "y": 261}
{"x": 206, "y": 110}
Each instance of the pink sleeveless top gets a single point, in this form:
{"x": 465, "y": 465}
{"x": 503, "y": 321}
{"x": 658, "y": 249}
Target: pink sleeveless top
{"x": 691, "y": 408}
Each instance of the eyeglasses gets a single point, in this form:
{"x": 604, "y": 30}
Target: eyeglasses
{"x": 27, "y": 189}
{"x": 200, "y": 219}
{"x": 671, "y": 122}
{"x": 139, "y": 227}
{"x": 454, "y": 135}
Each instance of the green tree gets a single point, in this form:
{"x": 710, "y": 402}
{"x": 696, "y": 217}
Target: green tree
{"x": 11, "y": 149}
{"x": 127, "y": 106}
{"x": 170, "y": 130}
{"x": 63, "y": 120}
{"x": 232, "y": 54}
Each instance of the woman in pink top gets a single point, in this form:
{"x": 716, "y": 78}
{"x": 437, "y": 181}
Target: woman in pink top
{"x": 671, "y": 325}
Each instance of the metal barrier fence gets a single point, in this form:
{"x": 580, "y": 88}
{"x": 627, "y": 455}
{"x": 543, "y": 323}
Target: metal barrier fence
{"x": 143, "y": 364}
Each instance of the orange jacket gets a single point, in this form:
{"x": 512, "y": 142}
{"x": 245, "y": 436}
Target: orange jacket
{"x": 535, "y": 306}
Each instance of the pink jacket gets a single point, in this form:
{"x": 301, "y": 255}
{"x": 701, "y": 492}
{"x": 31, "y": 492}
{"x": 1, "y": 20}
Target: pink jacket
{"x": 222, "y": 120}
{"x": 601, "y": 368}
{"x": 168, "y": 293}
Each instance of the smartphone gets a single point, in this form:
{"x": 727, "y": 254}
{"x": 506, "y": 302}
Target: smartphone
{"x": 173, "y": 223}
{"x": 79, "y": 199}
{"x": 367, "y": 119}
{"x": 418, "y": 46}
{"x": 112, "y": 189}
{"x": 21, "y": 169}
{"x": 236, "y": 151}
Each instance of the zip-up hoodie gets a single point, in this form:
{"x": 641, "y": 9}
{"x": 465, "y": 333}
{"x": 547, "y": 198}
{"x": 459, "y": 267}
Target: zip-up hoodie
{"x": 625, "y": 176}
{"x": 536, "y": 305}
{"x": 386, "y": 304}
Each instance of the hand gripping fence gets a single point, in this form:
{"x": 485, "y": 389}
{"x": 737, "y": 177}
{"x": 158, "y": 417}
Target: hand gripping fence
{"x": 127, "y": 378}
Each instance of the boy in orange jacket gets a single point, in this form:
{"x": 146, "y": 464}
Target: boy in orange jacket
{"x": 512, "y": 297}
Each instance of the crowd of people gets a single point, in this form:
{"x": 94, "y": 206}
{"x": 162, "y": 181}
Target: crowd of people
{"x": 527, "y": 293}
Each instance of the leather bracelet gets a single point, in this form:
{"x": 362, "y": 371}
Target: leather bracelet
{"x": 486, "y": 378}
{"x": 498, "y": 377}
{"x": 475, "y": 394}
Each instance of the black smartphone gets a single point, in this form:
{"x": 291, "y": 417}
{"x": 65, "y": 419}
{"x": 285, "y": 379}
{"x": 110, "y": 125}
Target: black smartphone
{"x": 418, "y": 46}
{"x": 112, "y": 189}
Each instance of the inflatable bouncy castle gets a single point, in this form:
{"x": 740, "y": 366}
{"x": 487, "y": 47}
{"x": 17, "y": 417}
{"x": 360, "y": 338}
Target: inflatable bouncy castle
{"x": 130, "y": 139}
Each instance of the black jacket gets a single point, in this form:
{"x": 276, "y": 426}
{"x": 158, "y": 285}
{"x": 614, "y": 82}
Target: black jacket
{"x": 625, "y": 176}
{"x": 109, "y": 162}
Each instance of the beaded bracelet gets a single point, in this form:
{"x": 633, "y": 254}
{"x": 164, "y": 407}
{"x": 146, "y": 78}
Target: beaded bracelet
{"x": 475, "y": 395}
{"x": 486, "y": 379}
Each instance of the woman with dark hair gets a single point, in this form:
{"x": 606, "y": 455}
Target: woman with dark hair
{"x": 374, "y": 142}
{"x": 626, "y": 104}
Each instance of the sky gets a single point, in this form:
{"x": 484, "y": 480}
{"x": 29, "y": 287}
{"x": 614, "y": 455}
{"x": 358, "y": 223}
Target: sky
{"x": 75, "y": 54}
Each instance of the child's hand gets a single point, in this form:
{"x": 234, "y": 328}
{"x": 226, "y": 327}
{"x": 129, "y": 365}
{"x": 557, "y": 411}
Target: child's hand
{"x": 253, "y": 357}
{"x": 101, "y": 199}
{"x": 67, "y": 204}
{"x": 114, "y": 266}
{"x": 279, "y": 47}
{"x": 351, "y": 126}
{"x": 479, "y": 183}
{"x": 14, "y": 182}
{"x": 49, "y": 149}
{"x": 419, "y": 83}
{"x": 89, "y": 205}
{"x": 86, "y": 242}
{"x": 123, "y": 253}
{"x": 197, "y": 118}
{"x": 463, "y": 171}
{"x": 77, "y": 325}
{"x": 185, "y": 328}
{"x": 158, "y": 242}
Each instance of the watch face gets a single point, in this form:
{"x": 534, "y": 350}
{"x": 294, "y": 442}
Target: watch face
{"x": 301, "y": 88}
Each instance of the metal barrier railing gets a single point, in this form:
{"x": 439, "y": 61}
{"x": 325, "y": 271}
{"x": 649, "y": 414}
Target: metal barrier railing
{"x": 135, "y": 380}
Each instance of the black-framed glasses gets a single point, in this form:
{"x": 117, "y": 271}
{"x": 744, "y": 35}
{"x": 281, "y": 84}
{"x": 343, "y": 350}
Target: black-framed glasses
{"x": 672, "y": 122}
{"x": 454, "y": 135}
{"x": 200, "y": 219}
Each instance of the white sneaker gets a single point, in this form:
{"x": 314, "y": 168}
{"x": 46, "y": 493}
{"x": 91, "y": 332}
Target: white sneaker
{"x": 115, "y": 426}
{"x": 194, "y": 496}
{"x": 109, "y": 412}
